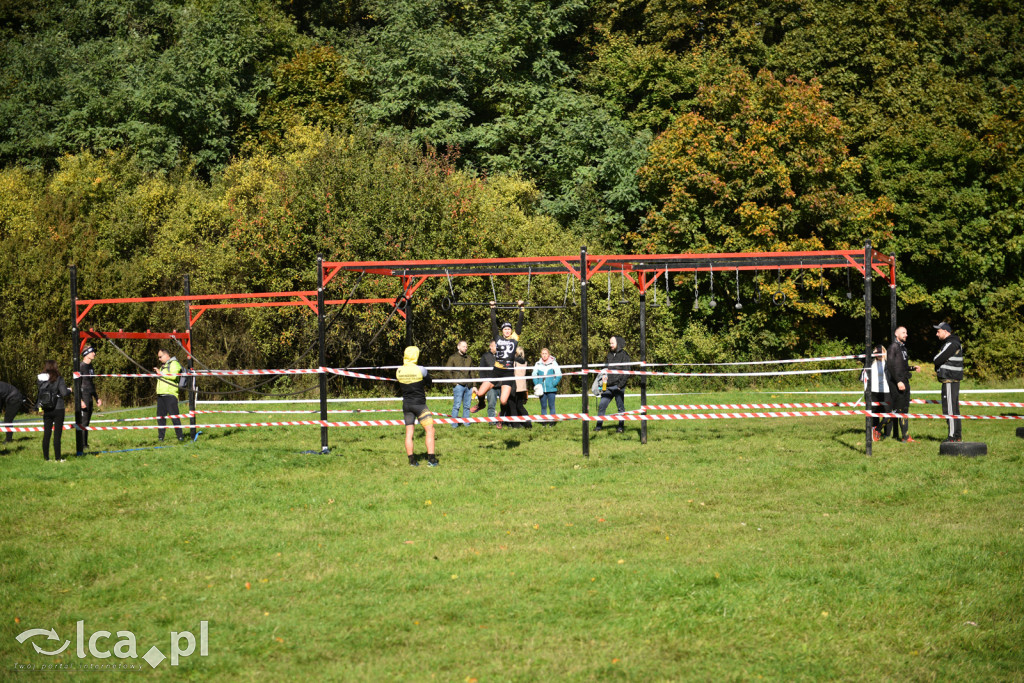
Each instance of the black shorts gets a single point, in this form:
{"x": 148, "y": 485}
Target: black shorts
{"x": 503, "y": 377}
{"x": 417, "y": 411}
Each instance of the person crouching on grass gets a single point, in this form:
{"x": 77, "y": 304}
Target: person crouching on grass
{"x": 413, "y": 382}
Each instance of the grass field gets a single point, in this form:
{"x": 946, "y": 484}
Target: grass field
{"x": 727, "y": 550}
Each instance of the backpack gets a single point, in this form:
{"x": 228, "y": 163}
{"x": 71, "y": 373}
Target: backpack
{"x": 48, "y": 397}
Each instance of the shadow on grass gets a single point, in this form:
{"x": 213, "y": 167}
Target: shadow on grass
{"x": 838, "y": 438}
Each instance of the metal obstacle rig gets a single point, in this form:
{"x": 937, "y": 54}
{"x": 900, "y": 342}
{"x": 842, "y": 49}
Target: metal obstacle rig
{"x": 314, "y": 300}
{"x": 643, "y": 271}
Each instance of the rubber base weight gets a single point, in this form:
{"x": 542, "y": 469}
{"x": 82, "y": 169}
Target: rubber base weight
{"x": 968, "y": 449}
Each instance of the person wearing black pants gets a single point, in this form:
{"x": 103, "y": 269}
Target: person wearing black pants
{"x": 949, "y": 369}
{"x": 167, "y": 394}
{"x": 898, "y": 365}
{"x": 616, "y": 383}
{"x": 51, "y": 383}
{"x": 877, "y": 377}
{"x": 86, "y": 370}
{"x": 12, "y": 400}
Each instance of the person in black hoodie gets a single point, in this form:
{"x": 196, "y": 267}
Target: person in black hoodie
{"x": 616, "y": 384}
{"x": 51, "y": 384}
{"x": 12, "y": 400}
{"x": 949, "y": 369}
{"x": 88, "y": 392}
{"x": 898, "y": 364}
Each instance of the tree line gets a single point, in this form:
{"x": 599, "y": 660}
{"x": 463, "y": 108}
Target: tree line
{"x": 237, "y": 139}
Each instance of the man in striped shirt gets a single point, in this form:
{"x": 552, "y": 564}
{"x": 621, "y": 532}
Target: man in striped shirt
{"x": 949, "y": 369}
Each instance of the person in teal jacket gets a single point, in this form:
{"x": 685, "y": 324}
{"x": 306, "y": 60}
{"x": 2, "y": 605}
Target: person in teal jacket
{"x": 546, "y": 376}
{"x": 167, "y": 394}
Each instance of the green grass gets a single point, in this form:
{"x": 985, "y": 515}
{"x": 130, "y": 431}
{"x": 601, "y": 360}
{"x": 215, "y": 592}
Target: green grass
{"x": 726, "y": 550}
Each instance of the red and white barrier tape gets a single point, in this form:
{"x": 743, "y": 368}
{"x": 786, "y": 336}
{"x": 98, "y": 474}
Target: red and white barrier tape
{"x": 752, "y": 406}
{"x": 992, "y": 404}
{"x": 629, "y": 416}
{"x": 237, "y": 373}
{"x": 930, "y": 416}
{"x": 594, "y": 371}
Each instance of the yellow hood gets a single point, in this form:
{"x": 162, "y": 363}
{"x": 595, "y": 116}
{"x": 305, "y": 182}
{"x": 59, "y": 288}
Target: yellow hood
{"x": 412, "y": 354}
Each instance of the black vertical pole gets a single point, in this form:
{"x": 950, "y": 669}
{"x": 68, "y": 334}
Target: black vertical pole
{"x": 643, "y": 358}
{"x": 76, "y": 341}
{"x": 584, "y": 348}
{"x": 892, "y": 299}
{"x": 191, "y": 383}
{"x": 322, "y": 337}
{"x": 867, "y": 342}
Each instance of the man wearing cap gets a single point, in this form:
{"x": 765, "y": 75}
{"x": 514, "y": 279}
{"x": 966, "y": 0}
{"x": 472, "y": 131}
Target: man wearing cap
{"x": 949, "y": 369}
{"x": 898, "y": 365}
{"x": 413, "y": 382}
{"x": 87, "y": 371}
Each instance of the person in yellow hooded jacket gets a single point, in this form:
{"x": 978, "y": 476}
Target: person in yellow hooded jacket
{"x": 413, "y": 382}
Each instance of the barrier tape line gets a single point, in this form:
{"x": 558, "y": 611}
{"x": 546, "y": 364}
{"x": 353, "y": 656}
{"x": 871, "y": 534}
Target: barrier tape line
{"x": 818, "y": 359}
{"x": 717, "y": 374}
{"x": 992, "y": 404}
{"x": 745, "y": 407}
{"x": 237, "y": 373}
{"x": 358, "y": 375}
{"x": 618, "y": 417}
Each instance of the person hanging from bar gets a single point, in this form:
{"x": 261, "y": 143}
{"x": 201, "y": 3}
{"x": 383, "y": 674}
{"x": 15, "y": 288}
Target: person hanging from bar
{"x": 413, "y": 382}
{"x": 506, "y": 340}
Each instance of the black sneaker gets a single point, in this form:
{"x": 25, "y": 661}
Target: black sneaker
{"x": 620, "y": 430}
{"x": 413, "y": 463}
{"x": 432, "y": 462}
{"x": 598, "y": 428}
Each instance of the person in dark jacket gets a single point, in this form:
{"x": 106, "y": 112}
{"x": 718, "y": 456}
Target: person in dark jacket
{"x": 413, "y": 382}
{"x": 12, "y": 400}
{"x": 949, "y": 369}
{"x": 898, "y": 365}
{"x": 616, "y": 383}
{"x": 462, "y": 391}
{"x": 87, "y": 371}
{"x": 522, "y": 394}
{"x": 490, "y": 393}
{"x": 50, "y": 382}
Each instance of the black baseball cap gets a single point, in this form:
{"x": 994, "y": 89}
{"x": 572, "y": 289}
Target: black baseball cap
{"x": 943, "y": 326}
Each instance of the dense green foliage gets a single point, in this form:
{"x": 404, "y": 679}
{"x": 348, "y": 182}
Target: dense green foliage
{"x": 237, "y": 139}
